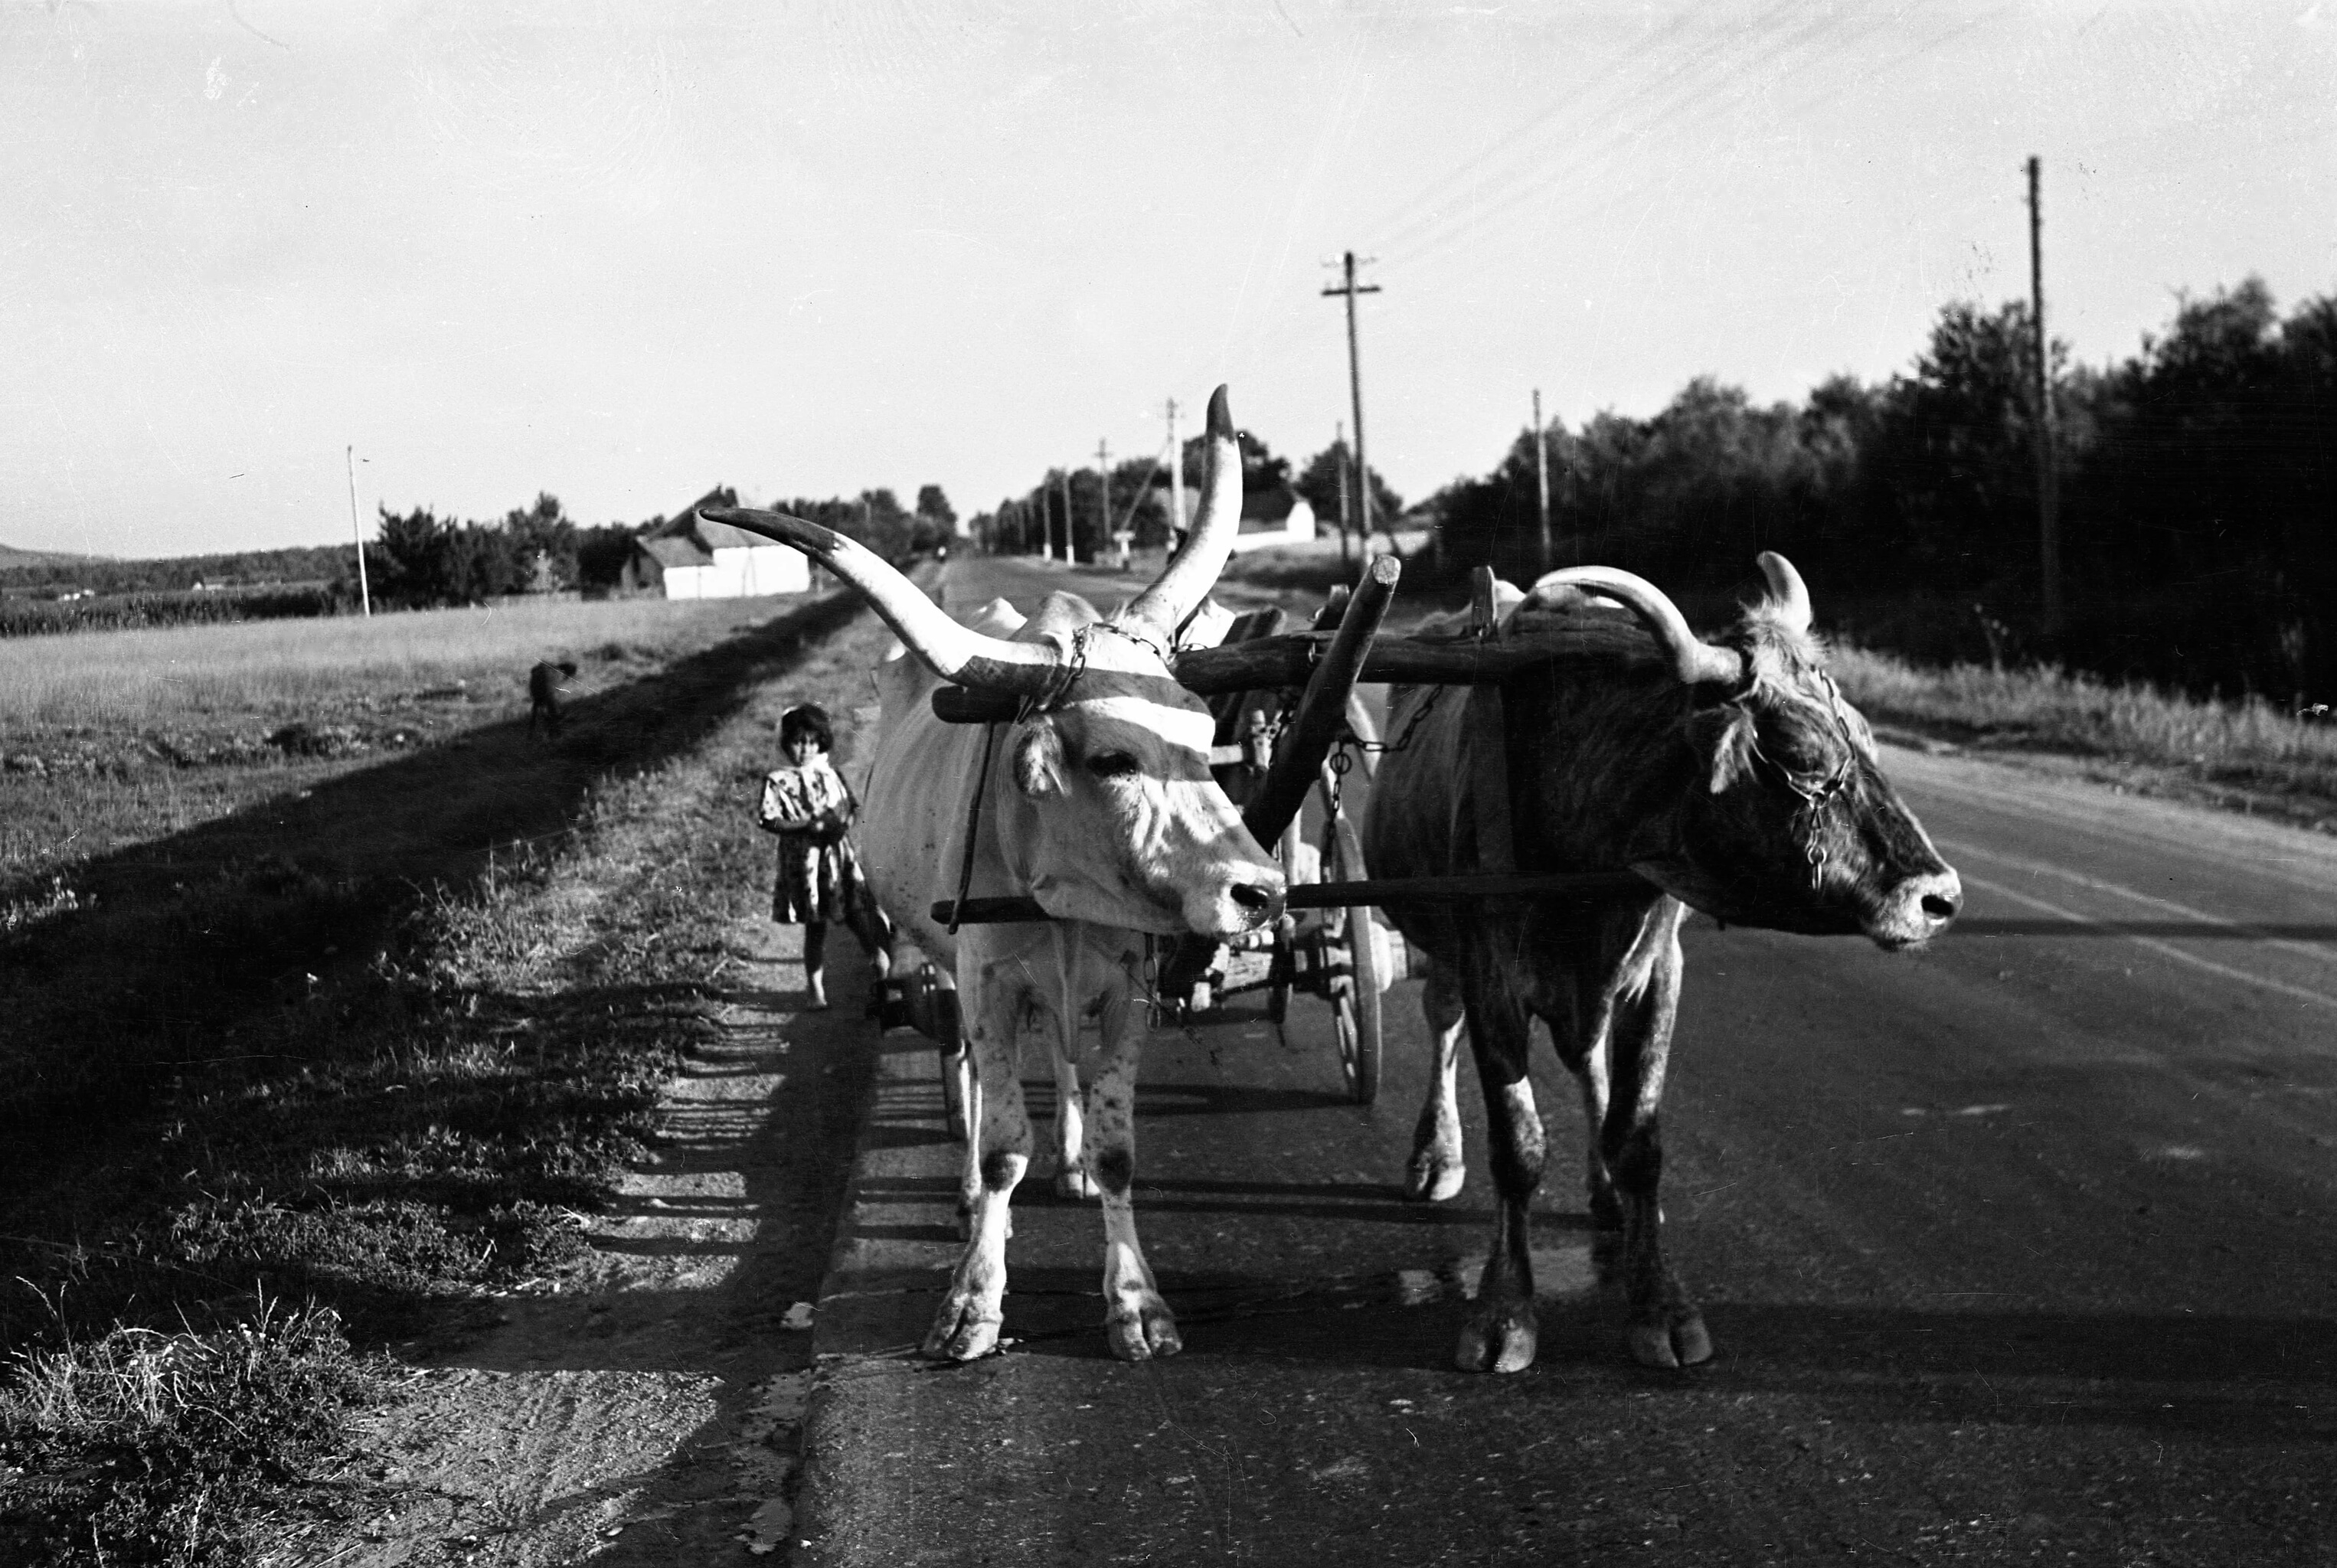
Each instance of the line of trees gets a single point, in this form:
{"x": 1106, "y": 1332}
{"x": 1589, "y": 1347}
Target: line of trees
{"x": 2198, "y": 483}
{"x": 420, "y": 560}
{"x": 1138, "y": 499}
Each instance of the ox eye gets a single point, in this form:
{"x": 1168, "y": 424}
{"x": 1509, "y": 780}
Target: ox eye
{"x": 1797, "y": 752}
{"x": 1112, "y": 764}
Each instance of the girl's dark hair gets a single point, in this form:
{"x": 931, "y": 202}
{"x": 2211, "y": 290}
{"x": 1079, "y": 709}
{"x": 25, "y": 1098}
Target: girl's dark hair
{"x": 810, "y": 719}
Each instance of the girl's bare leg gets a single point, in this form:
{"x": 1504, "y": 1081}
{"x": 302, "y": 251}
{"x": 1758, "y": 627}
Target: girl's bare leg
{"x": 815, "y": 963}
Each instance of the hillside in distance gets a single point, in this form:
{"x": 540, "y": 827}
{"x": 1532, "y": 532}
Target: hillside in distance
{"x": 33, "y": 570}
{"x": 10, "y": 556}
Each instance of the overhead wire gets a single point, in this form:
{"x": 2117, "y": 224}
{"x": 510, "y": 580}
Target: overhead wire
{"x": 1533, "y": 186}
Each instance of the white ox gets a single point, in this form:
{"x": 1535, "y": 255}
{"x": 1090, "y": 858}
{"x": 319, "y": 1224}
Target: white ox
{"x": 1099, "y": 802}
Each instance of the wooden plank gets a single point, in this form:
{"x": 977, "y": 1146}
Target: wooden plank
{"x": 1377, "y": 891}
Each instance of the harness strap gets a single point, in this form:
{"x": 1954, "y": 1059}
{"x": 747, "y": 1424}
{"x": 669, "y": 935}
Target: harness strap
{"x": 973, "y": 821}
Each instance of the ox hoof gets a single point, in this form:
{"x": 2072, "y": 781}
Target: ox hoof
{"x": 961, "y": 1332}
{"x": 1140, "y": 1333}
{"x": 1497, "y": 1341}
{"x": 1433, "y": 1178}
{"x": 1682, "y": 1342}
{"x": 1075, "y": 1182}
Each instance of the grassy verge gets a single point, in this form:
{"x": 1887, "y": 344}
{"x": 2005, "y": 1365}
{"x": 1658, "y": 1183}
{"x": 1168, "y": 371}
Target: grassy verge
{"x": 370, "y": 1038}
{"x": 2246, "y": 755}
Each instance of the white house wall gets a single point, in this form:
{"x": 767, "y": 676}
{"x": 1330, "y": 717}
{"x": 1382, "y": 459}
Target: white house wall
{"x": 1298, "y": 527}
{"x": 741, "y": 574}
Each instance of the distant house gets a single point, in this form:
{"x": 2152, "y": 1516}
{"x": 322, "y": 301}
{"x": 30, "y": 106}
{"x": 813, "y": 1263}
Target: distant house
{"x": 689, "y": 559}
{"x": 1269, "y": 517}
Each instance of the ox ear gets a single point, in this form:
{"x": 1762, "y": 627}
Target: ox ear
{"x": 1038, "y": 759}
{"x": 1729, "y": 731}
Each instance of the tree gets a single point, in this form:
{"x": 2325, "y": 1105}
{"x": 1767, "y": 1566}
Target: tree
{"x": 543, "y": 544}
{"x": 1262, "y": 472}
{"x": 1320, "y": 482}
{"x": 1958, "y": 440}
{"x": 407, "y": 563}
{"x": 934, "y": 507}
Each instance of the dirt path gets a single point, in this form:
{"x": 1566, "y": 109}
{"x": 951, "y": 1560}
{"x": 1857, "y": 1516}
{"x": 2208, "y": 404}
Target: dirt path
{"x": 649, "y": 1414}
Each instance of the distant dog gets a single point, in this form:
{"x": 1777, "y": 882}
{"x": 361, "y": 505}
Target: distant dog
{"x": 544, "y": 688}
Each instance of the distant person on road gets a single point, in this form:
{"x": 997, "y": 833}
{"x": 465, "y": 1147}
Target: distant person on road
{"x": 810, "y": 807}
{"x": 544, "y": 684}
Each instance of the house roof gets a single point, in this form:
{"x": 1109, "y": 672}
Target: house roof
{"x": 722, "y": 536}
{"x": 673, "y": 549}
{"x": 705, "y": 538}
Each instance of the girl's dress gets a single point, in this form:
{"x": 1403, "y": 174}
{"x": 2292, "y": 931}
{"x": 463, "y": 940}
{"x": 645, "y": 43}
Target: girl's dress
{"x": 819, "y": 873}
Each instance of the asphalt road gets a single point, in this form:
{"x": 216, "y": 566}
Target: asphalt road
{"x": 2015, "y": 1250}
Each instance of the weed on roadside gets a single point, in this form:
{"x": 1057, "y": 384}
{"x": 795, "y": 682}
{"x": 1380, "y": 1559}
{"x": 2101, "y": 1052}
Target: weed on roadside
{"x": 160, "y": 1450}
{"x": 2248, "y": 746}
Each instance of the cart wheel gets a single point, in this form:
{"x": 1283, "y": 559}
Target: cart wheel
{"x": 1356, "y": 995}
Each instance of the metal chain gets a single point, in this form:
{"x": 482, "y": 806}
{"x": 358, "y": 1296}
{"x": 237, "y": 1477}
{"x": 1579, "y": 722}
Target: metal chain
{"x": 1380, "y": 748}
{"x": 1339, "y": 762}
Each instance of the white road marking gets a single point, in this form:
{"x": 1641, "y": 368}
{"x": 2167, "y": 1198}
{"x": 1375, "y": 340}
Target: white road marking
{"x": 2323, "y": 952}
{"x": 2165, "y": 950}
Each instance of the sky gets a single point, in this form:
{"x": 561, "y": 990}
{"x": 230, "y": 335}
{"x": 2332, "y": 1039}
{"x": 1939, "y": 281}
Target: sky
{"x": 624, "y": 252}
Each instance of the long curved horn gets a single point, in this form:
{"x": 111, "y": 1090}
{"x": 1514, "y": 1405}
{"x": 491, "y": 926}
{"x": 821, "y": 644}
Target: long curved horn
{"x": 947, "y": 648}
{"x": 1194, "y": 570}
{"x": 1789, "y": 596}
{"x": 1697, "y": 661}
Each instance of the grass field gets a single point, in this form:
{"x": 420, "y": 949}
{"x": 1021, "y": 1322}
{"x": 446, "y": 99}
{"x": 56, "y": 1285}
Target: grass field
{"x": 353, "y": 1030}
{"x": 2246, "y": 755}
{"x": 119, "y": 737}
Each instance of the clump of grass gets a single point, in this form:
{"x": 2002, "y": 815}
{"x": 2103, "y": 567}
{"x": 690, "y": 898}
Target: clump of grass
{"x": 155, "y": 1450}
{"x": 2246, "y": 742}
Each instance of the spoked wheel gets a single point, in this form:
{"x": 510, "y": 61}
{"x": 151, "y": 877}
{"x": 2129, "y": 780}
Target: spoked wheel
{"x": 1356, "y": 982}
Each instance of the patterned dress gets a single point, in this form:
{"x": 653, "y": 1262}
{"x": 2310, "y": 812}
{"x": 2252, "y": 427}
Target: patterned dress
{"x": 819, "y": 874}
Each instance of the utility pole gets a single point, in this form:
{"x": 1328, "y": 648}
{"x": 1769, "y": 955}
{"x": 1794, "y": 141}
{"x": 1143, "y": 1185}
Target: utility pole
{"x": 1355, "y": 393}
{"x": 2049, "y": 476}
{"x": 1070, "y": 550}
{"x": 1103, "y": 473}
{"x": 1113, "y": 540}
{"x": 1339, "y": 438}
{"x": 1176, "y": 479}
{"x": 1541, "y": 480}
{"x": 363, "y": 592}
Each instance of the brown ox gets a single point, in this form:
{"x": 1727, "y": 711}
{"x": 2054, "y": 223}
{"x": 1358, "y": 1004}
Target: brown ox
{"x": 1736, "y": 780}
{"x": 1099, "y": 802}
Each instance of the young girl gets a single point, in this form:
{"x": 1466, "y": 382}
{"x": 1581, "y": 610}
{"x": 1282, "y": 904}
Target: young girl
{"x": 810, "y": 807}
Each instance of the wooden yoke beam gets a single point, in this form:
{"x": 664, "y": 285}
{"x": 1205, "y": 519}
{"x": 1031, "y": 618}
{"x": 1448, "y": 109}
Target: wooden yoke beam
{"x": 1323, "y": 710}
